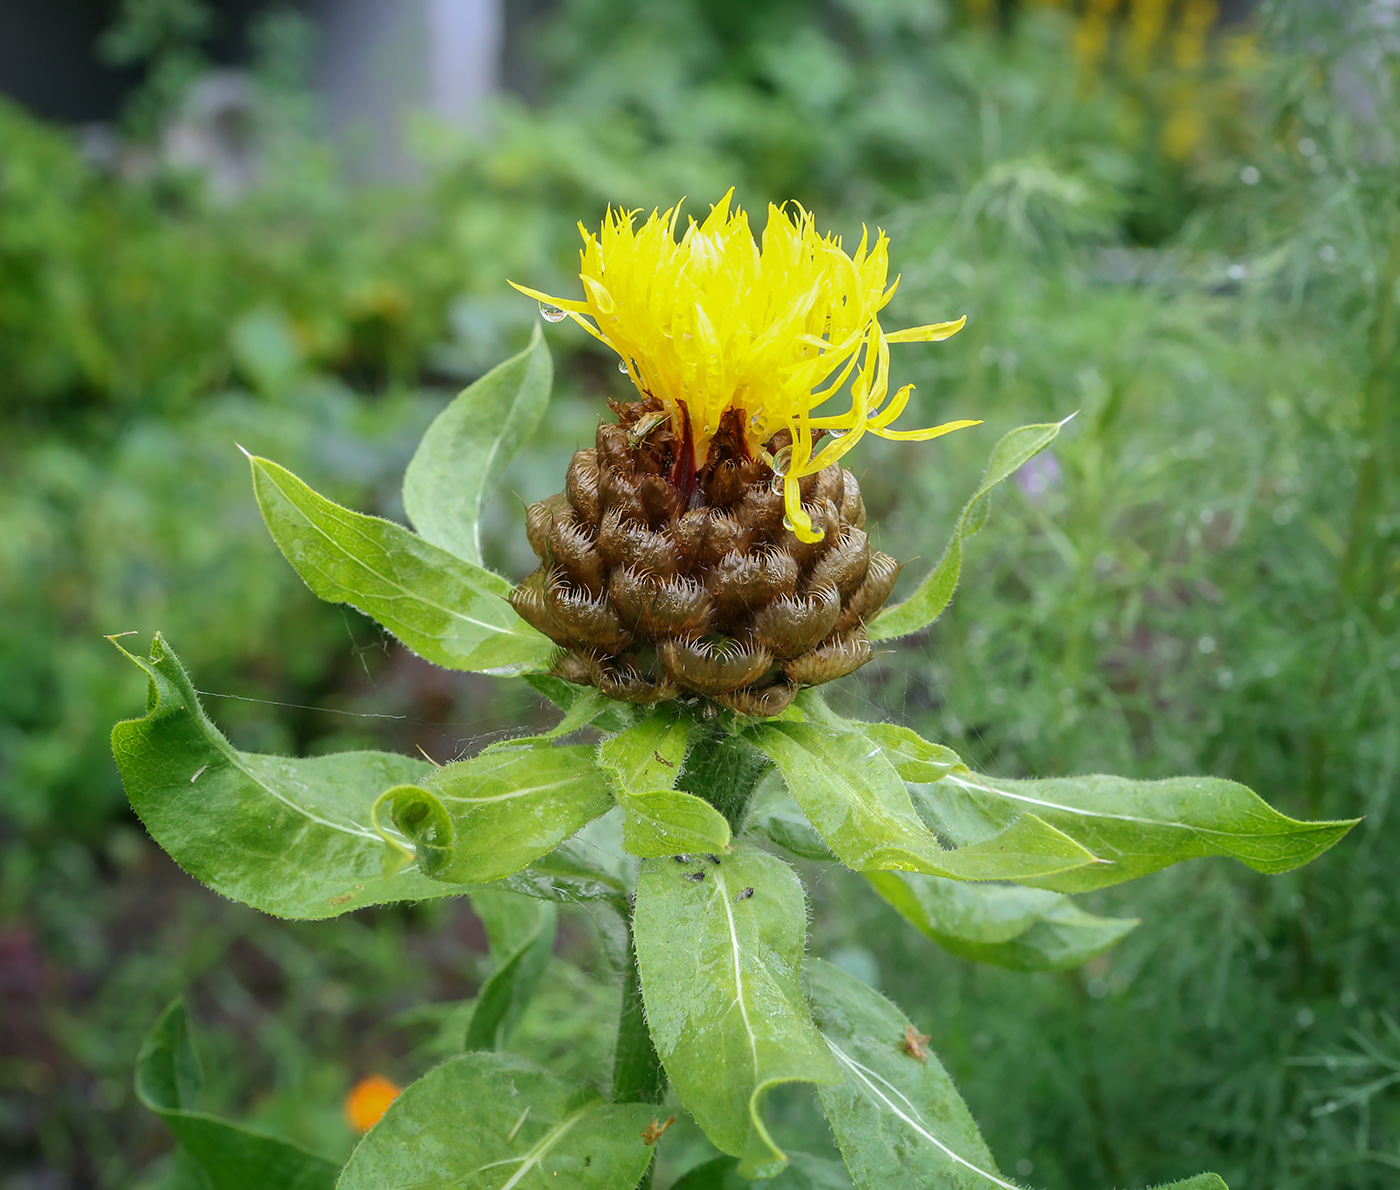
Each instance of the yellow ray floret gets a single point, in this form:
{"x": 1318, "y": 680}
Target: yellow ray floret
{"x": 714, "y": 322}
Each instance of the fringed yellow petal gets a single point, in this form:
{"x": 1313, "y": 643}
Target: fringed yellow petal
{"x": 924, "y": 435}
{"x": 772, "y": 328}
{"x": 935, "y": 332}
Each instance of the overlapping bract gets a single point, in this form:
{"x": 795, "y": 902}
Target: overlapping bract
{"x": 714, "y": 322}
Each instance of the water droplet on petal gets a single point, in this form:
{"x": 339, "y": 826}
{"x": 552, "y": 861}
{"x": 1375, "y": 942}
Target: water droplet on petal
{"x": 782, "y": 461}
{"x": 788, "y": 525}
{"x": 552, "y": 314}
{"x": 622, "y": 367}
{"x": 775, "y": 485}
{"x": 838, "y": 433}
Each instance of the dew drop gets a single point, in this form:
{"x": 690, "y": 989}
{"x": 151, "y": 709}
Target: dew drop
{"x": 782, "y": 461}
{"x": 775, "y": 485}
{"x": 622, "y": 367}
{"x": 788, "y": 525}
{"x": 837, "y": 433}
{"x": 552, "y": 314}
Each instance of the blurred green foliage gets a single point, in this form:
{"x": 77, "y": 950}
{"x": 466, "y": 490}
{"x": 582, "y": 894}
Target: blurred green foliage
{"x": 1197, "y": 250}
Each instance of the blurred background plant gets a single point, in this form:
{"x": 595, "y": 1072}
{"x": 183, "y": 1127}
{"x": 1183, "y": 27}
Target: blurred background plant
{"x": 1180, "y": 222}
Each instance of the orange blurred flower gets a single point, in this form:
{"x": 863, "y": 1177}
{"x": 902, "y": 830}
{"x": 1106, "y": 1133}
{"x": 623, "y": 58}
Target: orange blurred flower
{"x": 368, "y": 1100}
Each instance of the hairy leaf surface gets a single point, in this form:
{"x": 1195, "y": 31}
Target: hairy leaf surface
{"x": 719, "y": 947}
{"x": 1135, "y": 827}
{"x": 932, "y": 595}
{"x": 857, "y": 802}
{"x": 643, "y": 763}
{"x": 489, "y": 1121}
{"x": 804, "y": 1173}
{"x": 290, "y": 837}
{"x": 461, "y": 458}
{"x": 1026, "y": 929}
{"x": 478, "y": 820}
{"x": 229, "y": 1156}
{"x": 447, "y": 610}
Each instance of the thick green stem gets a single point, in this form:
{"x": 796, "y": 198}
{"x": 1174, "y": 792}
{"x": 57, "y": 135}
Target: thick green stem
{"x": 723, "y": 769}
{"x": 637, "y": 1073}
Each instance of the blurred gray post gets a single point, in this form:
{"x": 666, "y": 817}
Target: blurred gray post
{"x": 385, "y": 60}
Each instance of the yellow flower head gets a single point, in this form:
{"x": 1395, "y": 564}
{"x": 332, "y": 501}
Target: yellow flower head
{"x": 714, "y": 322}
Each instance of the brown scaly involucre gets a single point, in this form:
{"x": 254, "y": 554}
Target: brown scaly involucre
{"x": 663, "y": 582}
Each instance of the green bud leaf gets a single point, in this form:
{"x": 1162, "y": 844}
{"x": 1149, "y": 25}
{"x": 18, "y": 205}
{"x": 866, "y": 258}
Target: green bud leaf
{"x": 643, "y": 763}
{"x": 1135, "y": 827}
{"x": 488, "y": 1121}
{"x": 934, "y": 594}
{"x": 447, "y": 610}
{"x": 719, "y": 947}
{"x": 465, "y": 451}
{"x": 856, "y": 801}
{"x": 1026, "y": 929}
{"x": 897, "y": 1118}
{"x": 230, "y": 1156}
{"x": 481, "y": 819}
{"x": 295, "y": 838}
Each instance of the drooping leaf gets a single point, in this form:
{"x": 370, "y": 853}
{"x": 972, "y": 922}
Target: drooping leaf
{"x": 719, "y": 946}
{"x": 804, "y": 1173}
{"x": 643, "y": 763}
{"x": 465, "y": 451}
{"x": 478, "y": 820}
{"x": 898, "y": 1120}
{"x": 932, "y": 595}
{"x": 1135, "y": 827}
{"x": 447, "y": 610}
{"x": 290, "y": 837}
{"x": 492, "y": 1121}
{"x": 1026, "y": 929}
{"x": 857, "y": 802}
{"x": 520, "y": 931}
{"x": 229, "y": 1156}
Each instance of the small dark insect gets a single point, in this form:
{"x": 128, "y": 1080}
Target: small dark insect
{"x": 681, "y": 859}
{"x": 714, "y": 859}
{"x": 745, "y": 895}
{"x": 670, "y": 764}
{"x": 695, "y": 876}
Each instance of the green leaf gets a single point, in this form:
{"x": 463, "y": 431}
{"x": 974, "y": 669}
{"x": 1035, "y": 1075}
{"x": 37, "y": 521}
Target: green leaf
{"x": 615, "y": 716}
{"x": 780, "y": 819}
{"x": 1026, "y": 929}
{"x": 465, "y": 451}
{"x": 478, "y": 820}
{"x": 913, "y": 757}
{"x": 447, "y": 610}
{"x": 490, "y": 1121}
{"x": 521, "y": 932}
{"x": 856, "y": 801}
{"x": 805, "y": 1173}
{"x": 719, "y": 946}
{"x": 230, "y": 1156}
{"x": 643, "y": 763}
{"x": 898, "y": 1120}
{"x": 294, "y": 838}
{"x": 590, "y": 866}
{"x": 932, "y": 595}
{"x": 1135, "y": 827}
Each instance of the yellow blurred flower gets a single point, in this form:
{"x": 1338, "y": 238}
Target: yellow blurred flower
{"x": 715, "y": 323}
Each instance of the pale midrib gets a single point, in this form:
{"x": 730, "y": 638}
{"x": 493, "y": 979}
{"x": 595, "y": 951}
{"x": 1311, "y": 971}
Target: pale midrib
{"x": 723, "y": 888}
{"x": 1135, "y": 820}
{"x": 494, "y": 629}
{"x": 547, "y": 1142}
{"x": 866, "y": 1076}
{"x": 457, "y": 799}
